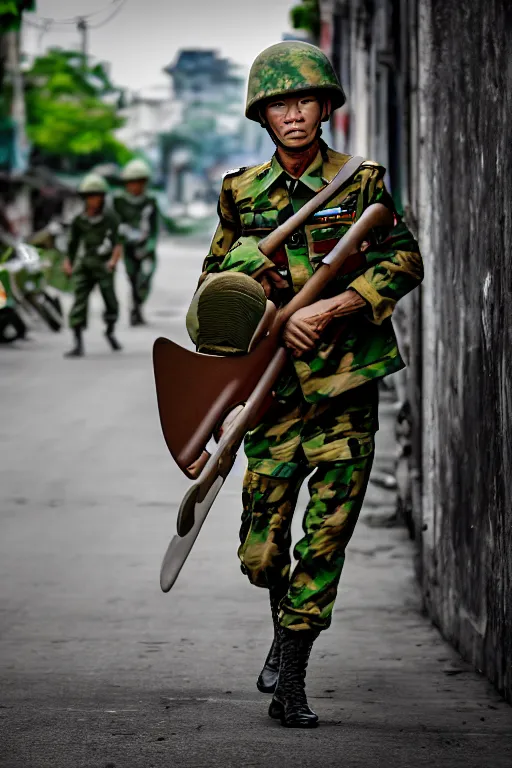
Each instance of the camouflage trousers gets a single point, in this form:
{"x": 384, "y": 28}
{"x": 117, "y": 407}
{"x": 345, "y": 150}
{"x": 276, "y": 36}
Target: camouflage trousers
{"x": 140, "y": 274}
{"x": 85, "y": 278}
{"x": 334, "y": 440}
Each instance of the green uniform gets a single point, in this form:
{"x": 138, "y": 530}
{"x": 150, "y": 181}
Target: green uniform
{"x": 91, "y": 244}
{"x": 325, "y": 416}
{"x": 336, "y": 438}
{"x": 255, "y": 201}
{"x": 139, "y": 232}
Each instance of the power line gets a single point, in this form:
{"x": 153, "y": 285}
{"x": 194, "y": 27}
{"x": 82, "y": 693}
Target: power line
{"x": 83, "y": 27}
{"x": 120, "y": 6}
{"x": 46, "y": 21}
{"x": 44, "y": 27}
{"x": 80, "y": 22}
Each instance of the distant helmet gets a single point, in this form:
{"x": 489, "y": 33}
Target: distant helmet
{"x": 135, "y": 170}
{"x": 93, "y": 184}
{"x": 290, "y": 67}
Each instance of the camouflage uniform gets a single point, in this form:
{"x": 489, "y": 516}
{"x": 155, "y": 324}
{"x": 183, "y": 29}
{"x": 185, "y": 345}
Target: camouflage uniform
{"x": 139, "y": 232}
{"x": 325, "y": 416}
{"x": 335, "y": 437}
{"x": 325, "y": 413}
{"x": 91, "y": 243}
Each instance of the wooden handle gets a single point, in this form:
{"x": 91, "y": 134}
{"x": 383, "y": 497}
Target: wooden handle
{"x": 271, "y": 243}
{"x": 376, "y": 215}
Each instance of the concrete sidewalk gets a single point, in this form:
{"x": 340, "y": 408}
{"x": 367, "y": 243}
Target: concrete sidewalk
{"x": 99, "y": 668}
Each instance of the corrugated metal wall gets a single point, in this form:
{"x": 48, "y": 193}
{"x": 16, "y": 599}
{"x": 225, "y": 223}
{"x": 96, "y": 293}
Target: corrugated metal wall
{"x": 467, "y": 319}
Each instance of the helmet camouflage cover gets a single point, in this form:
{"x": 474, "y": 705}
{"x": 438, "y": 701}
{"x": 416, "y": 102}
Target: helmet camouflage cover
{"x": 93, "y": 184}
{"x": 290, "y": 67}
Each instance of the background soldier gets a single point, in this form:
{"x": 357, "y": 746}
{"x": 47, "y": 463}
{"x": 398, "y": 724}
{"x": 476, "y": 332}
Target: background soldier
{"x": 93, "y": 253}
{"x": 325, "y": 415}
{"x": 138, "y": 212}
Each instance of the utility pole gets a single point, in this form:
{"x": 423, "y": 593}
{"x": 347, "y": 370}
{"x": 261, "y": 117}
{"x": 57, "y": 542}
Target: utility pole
{"x": 82, "y": 27}
{"x": 18, "y": 99}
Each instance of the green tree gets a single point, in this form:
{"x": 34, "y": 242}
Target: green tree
{"x": 11, "y": 12}
{"x": 306, "y": 15}
{"x": 72, "y": 109}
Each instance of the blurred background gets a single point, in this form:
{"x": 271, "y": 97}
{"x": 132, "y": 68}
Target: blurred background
{"x": 89, "y": 85}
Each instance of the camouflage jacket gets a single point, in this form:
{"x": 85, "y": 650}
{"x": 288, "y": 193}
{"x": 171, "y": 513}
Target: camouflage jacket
{"x": 93, "y": 239}
{"x": 139, "y": 221}
{"x": 255, "y": 200}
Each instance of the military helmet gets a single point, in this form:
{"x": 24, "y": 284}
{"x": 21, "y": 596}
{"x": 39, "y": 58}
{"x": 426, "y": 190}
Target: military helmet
{"x": 290, "y": 67}
{"x": 93, "y": 184}
{"x": 225, "y": 313}
{"x": 135, "y": 170}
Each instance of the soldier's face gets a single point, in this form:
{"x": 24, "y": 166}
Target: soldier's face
{"x": 94, "y": 204}
{"x": 294, "y": 119}
{"x": 136, "y": 187}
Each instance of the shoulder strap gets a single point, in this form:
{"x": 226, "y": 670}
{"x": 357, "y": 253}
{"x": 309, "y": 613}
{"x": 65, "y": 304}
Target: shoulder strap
{"x": 276, "y": 238}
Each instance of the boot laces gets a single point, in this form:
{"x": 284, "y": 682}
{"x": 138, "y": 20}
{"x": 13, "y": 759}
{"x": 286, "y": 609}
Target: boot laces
{"x": 292, "y": 679}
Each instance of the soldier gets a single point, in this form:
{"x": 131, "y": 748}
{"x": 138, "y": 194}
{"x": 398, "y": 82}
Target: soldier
{"x": 324, "y": 418}
{"x": 138, "y": 212}
{"x": 93, "y": 253}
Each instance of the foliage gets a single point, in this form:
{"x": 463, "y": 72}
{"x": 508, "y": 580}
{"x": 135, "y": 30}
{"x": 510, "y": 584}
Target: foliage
{"x": 306, "y": 16}
{"x": 11, "y": 13}
{"x": 72, "y": 108}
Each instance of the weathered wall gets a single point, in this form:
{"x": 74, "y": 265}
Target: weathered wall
{"x": 444, "y": 70}
{"x": 467, "y": 319}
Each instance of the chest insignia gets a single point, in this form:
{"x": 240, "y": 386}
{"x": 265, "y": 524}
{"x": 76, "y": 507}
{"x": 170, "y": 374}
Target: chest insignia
{"x": 333, "y": 216}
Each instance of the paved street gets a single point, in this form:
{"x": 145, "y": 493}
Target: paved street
{"x": 99, "y": 668}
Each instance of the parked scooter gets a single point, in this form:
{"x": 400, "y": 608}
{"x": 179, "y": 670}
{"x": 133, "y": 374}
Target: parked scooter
{"x": 12, "y": 326}
{"x": 28, "y": 282}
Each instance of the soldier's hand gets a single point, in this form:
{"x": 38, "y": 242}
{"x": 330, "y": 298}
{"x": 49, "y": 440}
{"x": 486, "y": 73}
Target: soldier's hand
{"x": 67, "y": 267}
{"x": 111, "y": 265}
{"x": 196, "y": 467}
{"x": 271, "y": 279}
{"x": 302, "y": 331}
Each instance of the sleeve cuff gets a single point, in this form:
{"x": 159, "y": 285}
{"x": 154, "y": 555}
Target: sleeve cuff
{"x": 244, "y": 256}
{"x": 267, "y": 265}
{"x": 251, "y": 267}
{"x": 381, "y": 307}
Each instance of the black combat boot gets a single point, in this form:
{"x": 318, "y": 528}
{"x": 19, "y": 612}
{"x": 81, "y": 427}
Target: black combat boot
{"x": 136, "y": 316}
{"x": 267, "y": 680}
{"x": 289, "y": 703}
{"x": 109, "y": 335}
{"x": 78, "y": 349}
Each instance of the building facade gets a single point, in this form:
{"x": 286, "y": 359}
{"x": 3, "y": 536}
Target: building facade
{"x": 436, "y": 109}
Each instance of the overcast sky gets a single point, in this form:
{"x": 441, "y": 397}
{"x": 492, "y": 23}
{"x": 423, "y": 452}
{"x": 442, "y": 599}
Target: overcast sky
{"x": 145, "y": 35}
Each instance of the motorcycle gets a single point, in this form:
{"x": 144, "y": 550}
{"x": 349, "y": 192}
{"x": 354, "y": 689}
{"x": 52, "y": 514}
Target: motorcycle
{"x": 28, "y": 282}
{"x": 12, "y": 325}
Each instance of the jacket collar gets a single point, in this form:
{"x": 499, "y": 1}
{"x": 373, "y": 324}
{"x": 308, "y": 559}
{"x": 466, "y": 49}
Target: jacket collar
{"x": 93, "y": 219}
{"x": 134, "y": 199}
{"x": 317, "y": 175}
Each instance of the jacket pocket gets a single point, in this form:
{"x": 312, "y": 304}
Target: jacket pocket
{"x": 258, "y": 220}
{"x": 321, "y": 239}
